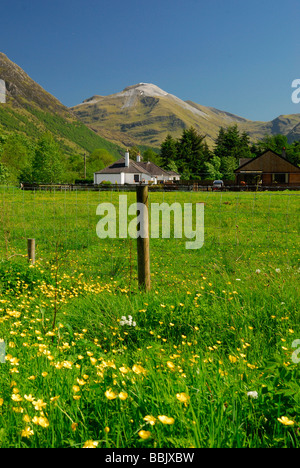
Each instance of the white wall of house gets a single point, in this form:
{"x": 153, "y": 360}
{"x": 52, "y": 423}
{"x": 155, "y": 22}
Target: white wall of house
{"x": 121, "y": 179}
{"x": 129, "y": 178}
{"x": 113, "y": 178}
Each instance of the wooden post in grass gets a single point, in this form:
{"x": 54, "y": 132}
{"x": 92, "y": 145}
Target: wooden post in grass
{"x": 31, "y": 250}
{"x": 143, "y": 252}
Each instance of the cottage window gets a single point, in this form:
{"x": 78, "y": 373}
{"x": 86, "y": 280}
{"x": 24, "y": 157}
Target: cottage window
{"x": 136, "y": 178}
{"x": 280, "y": 178}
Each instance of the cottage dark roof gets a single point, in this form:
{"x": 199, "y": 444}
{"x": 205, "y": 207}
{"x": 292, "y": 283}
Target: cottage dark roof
{"x": 152, "y": 168}
{"x": 268, "y": 161}
{"x": 119, "y": 166}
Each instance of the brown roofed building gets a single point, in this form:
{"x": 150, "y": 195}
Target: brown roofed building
{"x": 268, "y": 169}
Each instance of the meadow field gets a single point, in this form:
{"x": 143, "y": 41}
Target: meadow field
{"x": 209, "y": 358}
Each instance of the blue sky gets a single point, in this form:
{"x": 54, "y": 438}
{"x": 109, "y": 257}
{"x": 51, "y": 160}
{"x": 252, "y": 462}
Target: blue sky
{"x": 234, "y": 55}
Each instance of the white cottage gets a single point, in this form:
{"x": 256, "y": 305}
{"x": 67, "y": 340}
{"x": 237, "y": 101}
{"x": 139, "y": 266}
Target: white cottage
{"x": 126, "y": 171}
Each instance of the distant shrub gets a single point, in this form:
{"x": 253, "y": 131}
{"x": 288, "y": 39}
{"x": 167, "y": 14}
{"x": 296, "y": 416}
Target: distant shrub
{"x": 84, "y": 182}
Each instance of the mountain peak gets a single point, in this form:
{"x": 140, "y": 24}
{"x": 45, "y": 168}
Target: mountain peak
{"x": 147, "y": 89}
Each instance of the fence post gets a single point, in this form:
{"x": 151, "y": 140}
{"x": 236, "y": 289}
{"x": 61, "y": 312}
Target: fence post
{"x": 143, "y": 251}
{"x": 31, "y": 250}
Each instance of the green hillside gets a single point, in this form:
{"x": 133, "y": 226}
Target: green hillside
{"x": 32, "y": 111}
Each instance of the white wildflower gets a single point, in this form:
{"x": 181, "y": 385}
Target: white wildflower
{"x": 129, "y": 321}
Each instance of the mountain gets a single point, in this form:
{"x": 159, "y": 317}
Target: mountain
{"x": 144, "y": 114}
{"x": 32, "y": 111}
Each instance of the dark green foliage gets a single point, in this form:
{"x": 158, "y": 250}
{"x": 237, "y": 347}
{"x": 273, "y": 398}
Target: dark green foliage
{"x": 189, "y": 154}
{"x": 4, "y": 174}
{"x": 47, "y": 166}
{"x": 196, "y": 161}
{"x": 168, "y": 151}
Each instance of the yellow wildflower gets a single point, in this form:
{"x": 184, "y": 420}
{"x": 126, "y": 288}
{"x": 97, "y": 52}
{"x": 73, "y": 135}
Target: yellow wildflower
{"x": 144, "y": 434}
{"x": 150, "y": 419}
{"x": 110, "y": 395}
{"x": 29, "y": 397}
{"x": 232, "y": 359}
{"x": 166, "y": 419}
{"x": 16, "y": 397}
{"x": 286, "y": 421}
{"x": 170, "y": 365}
{"x": 137, "y": 369}
{"x": 39, "y": 405}
{"x": 90, "y": 444}
{"x": 40, "y": 421}
{"x": 81, "y": 381}
{"x": 183, "y": 397}
{"x": 74, "y": 426}
{"x": 27, "y": 432}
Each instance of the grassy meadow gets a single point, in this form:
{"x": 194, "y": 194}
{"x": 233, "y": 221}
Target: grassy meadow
{"x": 206, "y": 359}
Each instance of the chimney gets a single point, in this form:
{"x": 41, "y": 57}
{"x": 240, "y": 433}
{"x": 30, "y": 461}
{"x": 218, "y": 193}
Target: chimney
{"x": 138, "y": 158}
{"x": 283, "y": 154}
{"x": 127, "y": 159}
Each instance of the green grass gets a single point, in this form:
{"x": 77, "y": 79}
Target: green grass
{"x": 218, "y": 323}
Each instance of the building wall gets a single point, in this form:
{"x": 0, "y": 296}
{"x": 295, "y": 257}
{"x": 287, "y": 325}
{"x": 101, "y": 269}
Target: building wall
{"x": 267, "y": 179}
{"x": 121, "y": 179}
{"x": 113, "y": 178}
{"x": 295, "y": 178}
{"x": 129, "y": 178}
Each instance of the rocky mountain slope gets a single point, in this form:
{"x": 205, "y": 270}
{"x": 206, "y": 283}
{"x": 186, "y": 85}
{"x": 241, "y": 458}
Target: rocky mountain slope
{"x": 31, "y": 110}
{"x": 144, "y": 114}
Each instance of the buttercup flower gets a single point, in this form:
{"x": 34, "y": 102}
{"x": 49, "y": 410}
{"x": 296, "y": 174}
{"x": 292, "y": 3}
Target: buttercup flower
{"x": 166, "y": 419}
{"x": 39, "y": 405}
{"x": 90, "y": 444}
{"x": 110, "y": 395}
{"x": 150, "y": 419}
{"x": 286, "y": 421}
{"x": 40, "y": 421}
{"x": 145, "y": 434}
{"x": 183, "y": 397}
{"x": 123, "y": 396}
{"x": 137, "y": 369}
{"x": 232, "y": 359}
{"x": 27, "y": 432}
{"x": 16, "y": 397}
{"x": 74, "y": 426}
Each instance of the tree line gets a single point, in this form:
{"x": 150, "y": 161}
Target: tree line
{"x": 23, "y": 159}
{"x": 193, "y": 159}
